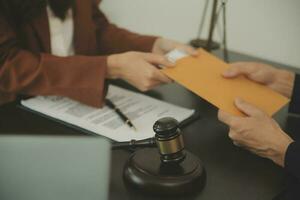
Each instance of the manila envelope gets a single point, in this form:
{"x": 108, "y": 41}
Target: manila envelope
{"x": 203, "y": 76}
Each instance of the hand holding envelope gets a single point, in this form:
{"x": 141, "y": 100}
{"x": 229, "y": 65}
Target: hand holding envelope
{"x": 203, "y": 76}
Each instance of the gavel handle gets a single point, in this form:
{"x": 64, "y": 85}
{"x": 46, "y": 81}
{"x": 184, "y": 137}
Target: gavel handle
{"x": 133, "y": 144}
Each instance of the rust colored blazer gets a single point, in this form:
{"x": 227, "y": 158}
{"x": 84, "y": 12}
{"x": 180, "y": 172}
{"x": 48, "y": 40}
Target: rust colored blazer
{"x": 28, "y": 68}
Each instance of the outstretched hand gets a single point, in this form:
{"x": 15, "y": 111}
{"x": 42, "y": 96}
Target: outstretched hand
{"x": 257, "y": 132}
{"x": 138, "y": 69}
{"x": 281, "y": 81}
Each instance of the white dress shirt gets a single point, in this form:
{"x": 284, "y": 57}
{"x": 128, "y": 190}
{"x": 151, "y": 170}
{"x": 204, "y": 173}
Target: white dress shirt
{"x": 61, "y": 34}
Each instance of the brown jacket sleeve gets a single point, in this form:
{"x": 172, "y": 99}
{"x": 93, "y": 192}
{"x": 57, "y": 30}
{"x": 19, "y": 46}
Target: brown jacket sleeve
{"x": 23, "y": 72}
{"x": 112, "y": 39}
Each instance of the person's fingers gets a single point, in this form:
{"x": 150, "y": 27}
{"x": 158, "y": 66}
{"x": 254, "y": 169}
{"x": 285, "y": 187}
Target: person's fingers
{"x": 189, "y": 50}
{"x": 237, "y": 144}
{"x": 227, "y": 118}
{"x": 157, "y": 59}
{"x": 235, "y": 137}
{"x": 237, "y": 69}
{"x": 258, "y": 152}
{"x": 248, "y": 109}
{"x": 232, "y": 134}
{"x": 148, "y": 84}
{"x": 153, "y": 84}
{"x": 159, "y": 76}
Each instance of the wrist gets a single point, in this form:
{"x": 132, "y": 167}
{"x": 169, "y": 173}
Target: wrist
{"x": 156, "y": 46}
{"x": 281, "y": 149}
{"x": 113, "y": 67}
{"x": 285, "y": 82}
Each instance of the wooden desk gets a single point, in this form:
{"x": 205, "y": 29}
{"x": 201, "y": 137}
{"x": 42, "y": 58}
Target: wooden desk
{"x": 232, "y": 173}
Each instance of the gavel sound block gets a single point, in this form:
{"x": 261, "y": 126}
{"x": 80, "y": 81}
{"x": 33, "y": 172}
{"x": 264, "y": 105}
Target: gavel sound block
{"x": 168, "y": 169}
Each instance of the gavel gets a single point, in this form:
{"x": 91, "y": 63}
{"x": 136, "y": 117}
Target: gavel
{"x": 169, "y": 140}
{"x": 166, "y": 169}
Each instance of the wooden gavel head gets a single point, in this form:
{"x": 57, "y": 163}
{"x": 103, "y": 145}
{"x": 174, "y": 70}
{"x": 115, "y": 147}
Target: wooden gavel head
{"x": 168, "y": 169}
{"x": 169, "y": 140}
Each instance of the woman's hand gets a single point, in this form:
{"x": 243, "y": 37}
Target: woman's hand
{"x": 257, "y": 132}
{"x": 163, "y": 46}
{"x": 138, "y": 69}
{"x": 281, "y": 81}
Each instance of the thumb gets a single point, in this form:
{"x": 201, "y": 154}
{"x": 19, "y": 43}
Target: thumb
{"x": 158, "y": 60}
{"x": 237, "y": 69}
{"x": 225, "y": 117}
{"x": 248, "y": 109}
{"x": 189, "y": 50}
{"x": 159, "y": 76}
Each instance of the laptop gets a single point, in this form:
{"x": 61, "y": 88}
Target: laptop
{"x": 54, "y": 168}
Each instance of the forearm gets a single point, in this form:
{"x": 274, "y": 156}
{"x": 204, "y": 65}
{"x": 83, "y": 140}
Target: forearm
{"x": 79, "y": 77}
{"x": 295, "y": 100}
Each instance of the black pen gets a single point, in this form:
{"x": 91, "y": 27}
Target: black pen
{"x": 111, "y": 105}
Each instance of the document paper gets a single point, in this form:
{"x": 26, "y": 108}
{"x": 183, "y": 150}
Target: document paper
{"x": 203, "y": 76}
{"x": 142, "y": 110}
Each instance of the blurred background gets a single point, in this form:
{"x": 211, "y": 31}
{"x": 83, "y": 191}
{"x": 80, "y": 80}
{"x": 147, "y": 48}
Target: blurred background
{"x": 268, "y": 29}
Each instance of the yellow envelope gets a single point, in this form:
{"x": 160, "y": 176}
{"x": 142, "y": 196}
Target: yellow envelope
{"x": 203, "y": 76}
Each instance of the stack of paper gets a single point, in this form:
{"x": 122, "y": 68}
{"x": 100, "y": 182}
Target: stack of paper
{"x": 142, "y": 110}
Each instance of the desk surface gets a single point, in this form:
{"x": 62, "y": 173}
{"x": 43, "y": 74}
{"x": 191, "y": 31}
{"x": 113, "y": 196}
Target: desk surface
{"x": 232, "y": 173}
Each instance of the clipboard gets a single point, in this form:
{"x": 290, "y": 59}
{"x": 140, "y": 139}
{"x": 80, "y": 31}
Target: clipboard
{"x": 183, "y": 124}
{"x": 185, "y": 116}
